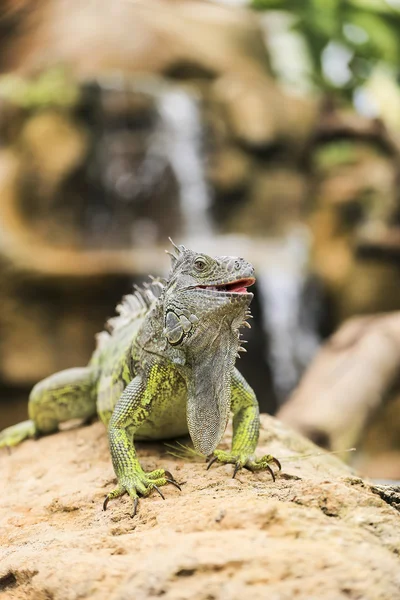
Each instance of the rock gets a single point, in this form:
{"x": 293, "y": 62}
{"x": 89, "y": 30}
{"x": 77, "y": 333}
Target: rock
{"x": 299, "y": 119}
{"x": 275, "y": 202}
{"x": 261, "y": 115}
{"x": 347, "y": 384}
{"x": 230, "y": 170}
{"x": 379, "y": 455}
{"x": 165, "y": 37}
{"x": 355, "y": 194}
{"x": 251, "y": 106}
{"x": 318, "y": 530}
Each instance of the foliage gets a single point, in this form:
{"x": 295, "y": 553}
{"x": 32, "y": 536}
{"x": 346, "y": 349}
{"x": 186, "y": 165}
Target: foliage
{"x": 367, "y": 30}
{"x": 50, "y": 88}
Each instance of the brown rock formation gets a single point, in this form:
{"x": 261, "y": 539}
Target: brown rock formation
{"x": 344, "y": 397}
{"x": 318, "y": 531}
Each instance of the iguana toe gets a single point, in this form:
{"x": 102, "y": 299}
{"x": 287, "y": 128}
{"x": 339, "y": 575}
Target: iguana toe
{"x": 171, "y": 479}
{"x": 262, "y": 463}
{"x": 141, "y": 484}
{"x": 211, "y": 462}
{"x": 119, "y": 491}
{"x": 244, "y": 461}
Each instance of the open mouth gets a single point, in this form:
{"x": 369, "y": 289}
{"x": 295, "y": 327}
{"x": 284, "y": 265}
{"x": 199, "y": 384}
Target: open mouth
{"x": 238, "y": 287}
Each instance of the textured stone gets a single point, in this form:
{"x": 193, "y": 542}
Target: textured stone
{"x": 318, "y": 530}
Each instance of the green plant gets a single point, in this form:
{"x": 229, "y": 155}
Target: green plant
{"x": 366, "y": 32}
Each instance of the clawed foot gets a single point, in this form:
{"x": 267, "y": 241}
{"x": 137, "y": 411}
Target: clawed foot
{"x": 243, "y": 461}
{"x": 141, "y": 484}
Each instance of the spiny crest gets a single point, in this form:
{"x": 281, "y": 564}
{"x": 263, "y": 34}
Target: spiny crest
{"x": 244, "y": 323}
{"x": 176, "y": 254}
{"x": 132, "y": 307}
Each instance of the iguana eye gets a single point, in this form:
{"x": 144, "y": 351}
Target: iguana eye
{"x": 200, "y": 264}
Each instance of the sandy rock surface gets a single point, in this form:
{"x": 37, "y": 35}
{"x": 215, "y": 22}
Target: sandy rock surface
{"x": 317, "y": 532}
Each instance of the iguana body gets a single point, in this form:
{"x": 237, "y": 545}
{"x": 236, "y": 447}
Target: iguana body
{"x": 165, "y": 367}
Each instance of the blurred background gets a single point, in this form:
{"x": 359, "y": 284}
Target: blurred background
{"x": 266, "y": 129}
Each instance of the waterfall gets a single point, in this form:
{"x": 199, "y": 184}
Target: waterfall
{"x": 292, "y": 341}
{"x": 134, "y": 161}
{"x": 182, "y": 132}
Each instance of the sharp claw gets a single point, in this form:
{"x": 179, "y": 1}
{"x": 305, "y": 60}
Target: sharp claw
{"x": 278, "y": 464}
{"x": 175, "y": 483}
{"x": 159, "y": 491}
{"x": 212, "y": 461}
{"x": 271, "y": 471}
{"x": 135, "y": 505}
{"x": 235, "y": 470}
{"x": 106, "y": 500}
{"x": 171, "y": 478}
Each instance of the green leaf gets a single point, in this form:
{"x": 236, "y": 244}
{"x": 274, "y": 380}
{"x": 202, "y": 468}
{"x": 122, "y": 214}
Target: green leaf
{"x": 376, "y": 6}
{"x": 383, "y": 38}
{"x": 321, "y": 21}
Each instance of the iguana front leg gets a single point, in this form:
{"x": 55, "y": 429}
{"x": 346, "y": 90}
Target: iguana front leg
{"x": 131, "y": 410}
{"x": 246, "y": 426}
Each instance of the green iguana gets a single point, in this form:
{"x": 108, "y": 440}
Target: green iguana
{"x": 165, "y": 366}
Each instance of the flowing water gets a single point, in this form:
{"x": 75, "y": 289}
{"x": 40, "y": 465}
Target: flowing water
{"x": 182, "y": 131}
{"x": 293, "y": 339}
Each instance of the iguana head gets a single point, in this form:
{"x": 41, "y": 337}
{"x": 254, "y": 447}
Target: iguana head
{"x": 204, "y": 289}
{"x": 205, "y": 302}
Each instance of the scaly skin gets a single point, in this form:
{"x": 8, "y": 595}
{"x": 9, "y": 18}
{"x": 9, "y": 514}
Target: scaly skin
{"x": 165, "y": 367}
